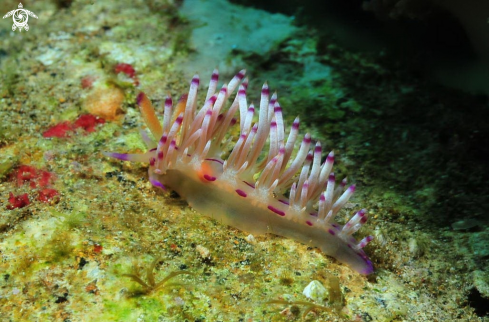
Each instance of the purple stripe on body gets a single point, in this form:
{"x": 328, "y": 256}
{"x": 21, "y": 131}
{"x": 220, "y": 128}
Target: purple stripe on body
{"x": 241, "y": 193}
{"x": 277, "y": 211}
{"x": 209, "y": 178}
{"x": 215, "y": 160}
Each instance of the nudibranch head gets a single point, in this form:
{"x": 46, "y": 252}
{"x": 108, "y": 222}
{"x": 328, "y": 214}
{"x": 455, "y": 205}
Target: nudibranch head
{"x": 262, "y": 186}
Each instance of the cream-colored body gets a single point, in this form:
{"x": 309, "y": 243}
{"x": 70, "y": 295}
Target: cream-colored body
{"x": 218, "y": 199}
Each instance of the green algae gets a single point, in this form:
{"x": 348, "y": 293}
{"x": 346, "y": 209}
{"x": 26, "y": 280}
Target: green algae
{"x": 6, "y": 165}
{"x": 75, "y": 219}
{"x": 10, "y": 77}
{"x": 117, "y": 311}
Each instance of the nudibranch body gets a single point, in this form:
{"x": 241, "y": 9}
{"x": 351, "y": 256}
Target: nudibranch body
{"x": 249, "y": 188}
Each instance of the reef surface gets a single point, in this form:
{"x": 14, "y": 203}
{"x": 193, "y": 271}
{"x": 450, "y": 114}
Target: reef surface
{"x": 74, "y": 224}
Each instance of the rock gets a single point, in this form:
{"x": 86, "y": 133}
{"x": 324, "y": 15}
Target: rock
{"x": 481, "y": 282}
{"x": 479, "y": 242}
{"x": 465, "y": 224}
{"x": 224, "y": 27}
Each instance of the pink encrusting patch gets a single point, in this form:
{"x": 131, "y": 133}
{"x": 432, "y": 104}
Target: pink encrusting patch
{"x": 264, "y": 183}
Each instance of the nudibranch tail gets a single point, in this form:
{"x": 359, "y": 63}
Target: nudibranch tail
{"x": 262, "y": 186}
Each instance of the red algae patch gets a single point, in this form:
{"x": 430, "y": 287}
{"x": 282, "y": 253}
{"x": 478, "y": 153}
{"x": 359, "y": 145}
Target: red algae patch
{"x": 48, "y": 195}
{"x": 128, "y": 70}
{"x": 60, "y": 130}
{"x": 19, "y": 201}
{"x": 105, "y": 102}
{"x": 36, "y": 179}
{"x": 87, "y": 81}
{"x": 97, "y": 248}
{"x": 87, "y": 122}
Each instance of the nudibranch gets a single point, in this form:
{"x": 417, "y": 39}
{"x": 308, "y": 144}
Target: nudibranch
{"x": 248, "y": 188}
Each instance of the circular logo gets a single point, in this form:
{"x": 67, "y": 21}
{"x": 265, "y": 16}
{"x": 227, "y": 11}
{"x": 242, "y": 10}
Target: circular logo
{"x": 20, "y": 18}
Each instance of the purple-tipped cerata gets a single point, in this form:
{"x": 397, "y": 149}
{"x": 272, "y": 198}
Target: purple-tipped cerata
{"x": 269, "y": 182}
